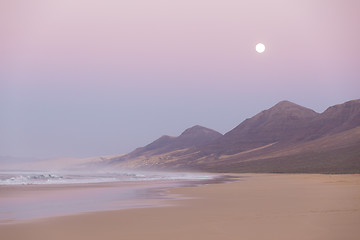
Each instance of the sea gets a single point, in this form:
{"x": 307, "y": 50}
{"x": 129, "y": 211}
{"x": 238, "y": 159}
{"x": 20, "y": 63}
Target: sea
{"x": 41, "y": 177}
{"x": 34, "y": 195}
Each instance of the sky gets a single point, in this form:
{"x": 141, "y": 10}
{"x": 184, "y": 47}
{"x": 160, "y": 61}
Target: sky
{"x": 87, "y": 78}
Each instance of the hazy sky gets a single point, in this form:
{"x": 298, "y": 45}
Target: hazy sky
{"x": 87, "y": 78}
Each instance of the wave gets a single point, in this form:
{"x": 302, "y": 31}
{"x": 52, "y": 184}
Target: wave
{"x": 31, "y": 178}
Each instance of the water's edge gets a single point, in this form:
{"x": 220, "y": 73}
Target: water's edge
{"x": 22, "y": 203}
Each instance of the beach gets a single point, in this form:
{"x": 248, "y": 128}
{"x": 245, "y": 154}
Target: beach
{"x": 256, "y": 206}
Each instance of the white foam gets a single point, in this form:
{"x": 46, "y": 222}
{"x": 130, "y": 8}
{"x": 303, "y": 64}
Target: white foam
{"x": 30, "y": 178}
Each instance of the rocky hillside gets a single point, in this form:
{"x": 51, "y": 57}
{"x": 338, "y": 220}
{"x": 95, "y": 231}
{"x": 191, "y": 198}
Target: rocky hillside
{"x": 284, "y": 138}
{"x": 191, "y": 137}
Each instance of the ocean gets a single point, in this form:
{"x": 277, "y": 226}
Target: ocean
{"x": 44, "y": 177}
{"x": 29, "y": 195}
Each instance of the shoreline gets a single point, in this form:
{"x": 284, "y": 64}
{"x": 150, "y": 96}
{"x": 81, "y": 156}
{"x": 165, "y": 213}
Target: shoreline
{"x": 129, "y": 194}
{"x": 262, "y": 206}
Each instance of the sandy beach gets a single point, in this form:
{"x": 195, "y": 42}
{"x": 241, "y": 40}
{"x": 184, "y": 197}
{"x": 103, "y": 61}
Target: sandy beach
{"x": 258, "y": 206}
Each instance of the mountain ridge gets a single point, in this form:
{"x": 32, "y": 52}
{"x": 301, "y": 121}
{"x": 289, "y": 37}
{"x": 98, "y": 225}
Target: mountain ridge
{"x": 283, "y": 120}
{"x": 191, "y": 137}
{"x": 282, "y": 134}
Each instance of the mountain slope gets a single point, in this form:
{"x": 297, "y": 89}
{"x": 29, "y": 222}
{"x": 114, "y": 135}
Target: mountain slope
{"x": 336, "y": 153}
{"x": 335, "y": 119}
{"x": 283, "y": 123}
{"x": 191, "y": 137}
{"x": 284, "y": 138}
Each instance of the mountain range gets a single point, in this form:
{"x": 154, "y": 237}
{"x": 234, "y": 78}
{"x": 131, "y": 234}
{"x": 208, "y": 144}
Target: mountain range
{"x": 286, "y": 138}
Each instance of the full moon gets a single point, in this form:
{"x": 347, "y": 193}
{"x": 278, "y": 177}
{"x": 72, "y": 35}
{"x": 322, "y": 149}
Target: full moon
{"x": 260, "y": 48}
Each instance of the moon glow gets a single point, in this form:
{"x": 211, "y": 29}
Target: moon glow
{"x": 260, "y": 48}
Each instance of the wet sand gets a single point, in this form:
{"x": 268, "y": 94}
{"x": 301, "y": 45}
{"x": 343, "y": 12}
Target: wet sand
{"x": 259, "y": 206}
{"x": 20, "y": 203}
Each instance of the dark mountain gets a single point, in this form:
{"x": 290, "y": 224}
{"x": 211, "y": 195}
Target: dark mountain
{"x": 191, "y": 137}
{"x": 335, "y": 119}
{"x": 336, "y": 153}
{"x": 283, "y": 123}
{"x": 284, "y": 138}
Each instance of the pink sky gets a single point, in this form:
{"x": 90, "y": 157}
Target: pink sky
{"x": 171, "y": 64}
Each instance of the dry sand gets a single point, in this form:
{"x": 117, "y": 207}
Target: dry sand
{"x": 257, "y": 207}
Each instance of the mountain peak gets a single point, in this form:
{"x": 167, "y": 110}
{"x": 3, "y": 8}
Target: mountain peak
{"x": 284, "y": 138}
{"x": 279, "y": 124}
{"x": 286, "y": 105}
{"x": 340, "y": 117}
{"x": 191, "y": 137}
{"x": 349, "y": 105}
{"x": 197, "y": 129}
{"x": 286, "y": 102}
{"x": 289, "y": 110}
